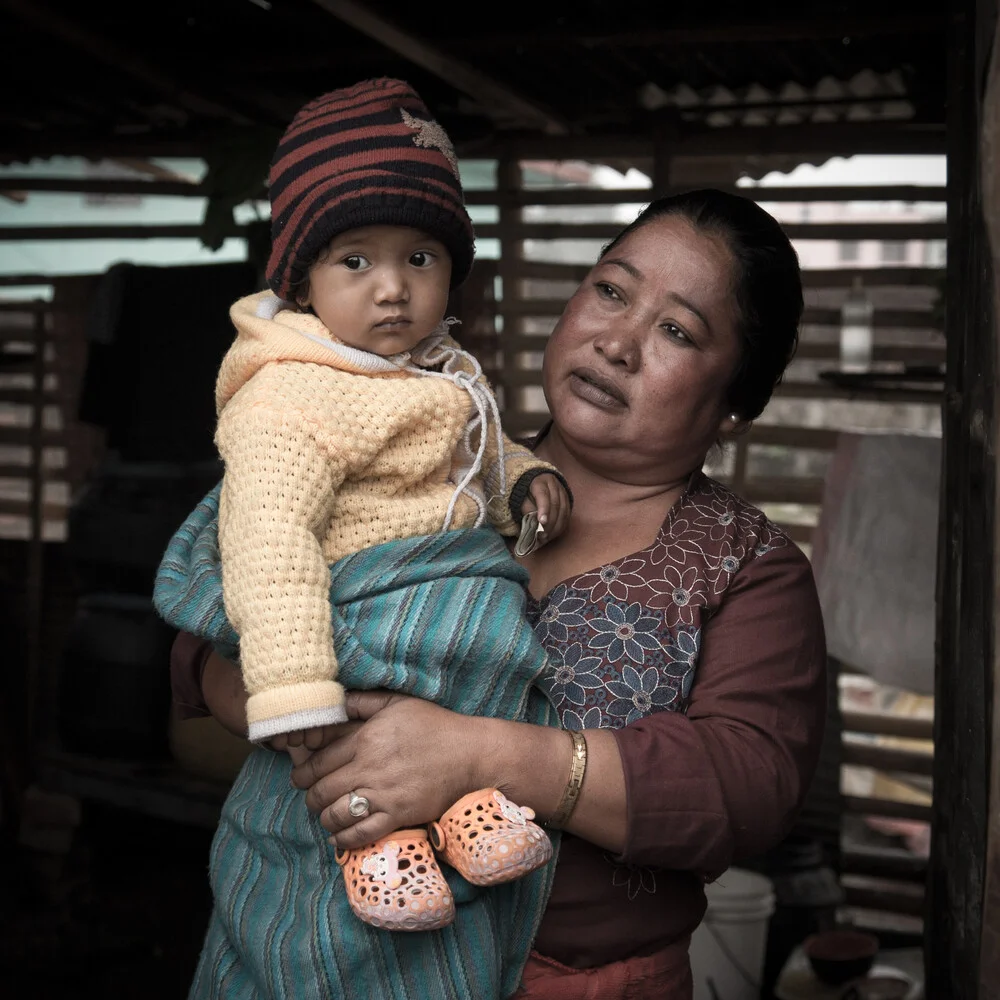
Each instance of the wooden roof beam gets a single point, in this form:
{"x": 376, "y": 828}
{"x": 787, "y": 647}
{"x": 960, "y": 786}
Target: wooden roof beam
{"x": 9, "y": 183}
{"x": 835, "y": 139}
{"x": 803, "y": 29}
{"x": 44, "y": 19}
{"x": 141, "y": 165}
{"x": 482, "y": 88}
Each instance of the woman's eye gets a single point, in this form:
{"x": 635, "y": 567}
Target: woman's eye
{"x": 607, "y": 291}
{"x": 422, "y": 258}
{"x": 355, "y": 262}
{"x": 676, "y": 333}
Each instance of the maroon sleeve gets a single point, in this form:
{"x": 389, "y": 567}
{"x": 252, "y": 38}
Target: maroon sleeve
{"x": 187, "y": 664}
{"x": 724, "y": 780}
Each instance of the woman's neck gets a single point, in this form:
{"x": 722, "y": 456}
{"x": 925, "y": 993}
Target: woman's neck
{"x": 599, "y": 483}
{"x": 611, "y": 518}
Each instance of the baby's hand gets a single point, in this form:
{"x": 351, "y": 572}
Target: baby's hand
{"x": 549, "y": 498}
{"x": 304, "y": 739}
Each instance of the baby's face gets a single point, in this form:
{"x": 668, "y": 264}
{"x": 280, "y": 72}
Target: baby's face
{"x": 381, "y": 288}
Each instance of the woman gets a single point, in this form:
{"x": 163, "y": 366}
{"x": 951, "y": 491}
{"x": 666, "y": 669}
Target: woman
{"x": 683, "y": 626}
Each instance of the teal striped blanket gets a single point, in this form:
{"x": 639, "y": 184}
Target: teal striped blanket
{"x": 440, "y": 617}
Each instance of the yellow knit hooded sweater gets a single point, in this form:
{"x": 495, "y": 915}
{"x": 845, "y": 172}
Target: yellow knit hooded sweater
{"x": 327, "y": 453}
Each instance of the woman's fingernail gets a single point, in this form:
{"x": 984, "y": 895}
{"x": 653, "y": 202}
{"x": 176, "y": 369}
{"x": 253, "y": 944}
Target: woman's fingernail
{"x": 332, "y": 841}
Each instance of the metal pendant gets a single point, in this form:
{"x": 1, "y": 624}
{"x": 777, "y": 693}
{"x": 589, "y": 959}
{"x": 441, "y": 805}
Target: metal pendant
{"x": 530, "y": 537}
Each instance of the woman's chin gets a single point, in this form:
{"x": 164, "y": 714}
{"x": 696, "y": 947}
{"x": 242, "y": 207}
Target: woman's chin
{"x": 589, "y": 424}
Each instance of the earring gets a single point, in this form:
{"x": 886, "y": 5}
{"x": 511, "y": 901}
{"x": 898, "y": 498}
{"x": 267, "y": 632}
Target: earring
{"x": 734, "y": 418}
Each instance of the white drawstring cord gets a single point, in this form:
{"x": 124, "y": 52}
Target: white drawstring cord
{"x": 431, "y": 351}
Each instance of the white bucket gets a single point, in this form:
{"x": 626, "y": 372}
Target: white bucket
{"x": 727, "y": 950}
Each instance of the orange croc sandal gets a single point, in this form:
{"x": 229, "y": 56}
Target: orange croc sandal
{"x": 396, "y": 884}
{"x": 489, "y": 840}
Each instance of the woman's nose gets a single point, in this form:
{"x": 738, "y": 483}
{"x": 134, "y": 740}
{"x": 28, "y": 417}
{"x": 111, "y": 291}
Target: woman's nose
{"x": 391, "y": 286}
{"x": 620, "y": 347}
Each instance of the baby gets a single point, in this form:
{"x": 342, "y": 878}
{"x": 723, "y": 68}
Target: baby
{"x": 350, "y": 419}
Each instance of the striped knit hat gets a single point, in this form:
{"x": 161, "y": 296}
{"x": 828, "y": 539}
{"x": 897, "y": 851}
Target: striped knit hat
{"x": 363, "y": 156}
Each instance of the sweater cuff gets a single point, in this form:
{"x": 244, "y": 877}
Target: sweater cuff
{"x": 314, "y": 718}
{"x": 520, "y": 491}
{"x": 291, "y": 707}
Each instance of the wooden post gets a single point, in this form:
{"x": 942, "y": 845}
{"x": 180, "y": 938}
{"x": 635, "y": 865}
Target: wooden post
{"x": 511, "y": 251}
{"x": 965, "y": 600}
{"x": 989, "y": 959}
{"x": 35, "y": 582}
{"x": 662, "y": 167}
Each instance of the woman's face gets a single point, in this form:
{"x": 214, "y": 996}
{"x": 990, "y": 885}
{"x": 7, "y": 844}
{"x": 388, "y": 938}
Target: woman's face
{"x": 638, "y": 365}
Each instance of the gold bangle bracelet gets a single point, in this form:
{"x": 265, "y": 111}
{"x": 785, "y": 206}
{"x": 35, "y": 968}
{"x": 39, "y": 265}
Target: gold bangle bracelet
{"x": 574, "y": 785}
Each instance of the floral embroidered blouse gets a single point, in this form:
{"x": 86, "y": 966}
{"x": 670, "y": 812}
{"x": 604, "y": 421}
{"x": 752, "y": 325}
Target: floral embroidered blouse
{"x": 705, "y": 654}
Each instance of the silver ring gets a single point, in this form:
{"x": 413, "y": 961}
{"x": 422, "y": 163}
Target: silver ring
{"x": 357, "y": 805}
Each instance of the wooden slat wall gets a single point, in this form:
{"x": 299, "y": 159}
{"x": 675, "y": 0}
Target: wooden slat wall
{"x": 880, "y": 880}
{"x": 44, "y": 452}
{"x": 30, "y": 419}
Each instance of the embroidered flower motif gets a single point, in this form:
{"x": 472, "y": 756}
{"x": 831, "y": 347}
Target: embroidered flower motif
{"x": 635, "y": 878}
{"x": 625, "y": 632}
{"x": 682, "y": 658}
{"x": 613, "y": 580}
{"x": 678, "y": 544}
{"x": 727, "y": 562}
{"x": 384, "y": 867}
{"x": 591, "y": 719}
{"x": 722, "y": 513}
{"x": 772, "y": 537}
{"x": 681, "y": 593}
{"x": 431, "y": 135}
{"x": 512, "y": 813}
{"x": 571, "y": 679}
{"x": 639, "y": 694}
{"x": 559, "y": 615}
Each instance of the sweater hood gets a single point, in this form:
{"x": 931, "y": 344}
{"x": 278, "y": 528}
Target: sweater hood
{"x": 269, "y": 330}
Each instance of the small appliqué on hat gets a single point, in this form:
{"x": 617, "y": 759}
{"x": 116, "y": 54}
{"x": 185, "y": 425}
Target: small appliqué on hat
{"x": 430, "y": 134}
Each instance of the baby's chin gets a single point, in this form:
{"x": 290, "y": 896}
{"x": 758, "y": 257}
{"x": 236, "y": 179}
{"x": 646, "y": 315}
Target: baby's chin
{"x": 388, "y": 344}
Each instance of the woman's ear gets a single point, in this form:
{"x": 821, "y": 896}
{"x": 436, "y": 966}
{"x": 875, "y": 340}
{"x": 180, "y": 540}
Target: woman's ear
{"x": 733, "y": 425}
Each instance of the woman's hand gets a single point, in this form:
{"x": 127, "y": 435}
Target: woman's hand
{"x": 411, "y": 759}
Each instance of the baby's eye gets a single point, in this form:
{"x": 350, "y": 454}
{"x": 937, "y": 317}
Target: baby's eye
{"x": 422, "y": 258}
{"x": 356, "y": 262}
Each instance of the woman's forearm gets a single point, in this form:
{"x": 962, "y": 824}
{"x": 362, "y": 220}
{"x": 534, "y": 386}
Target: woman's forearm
{"x": 223, "y": 691}
{"x": 531, "y": 766}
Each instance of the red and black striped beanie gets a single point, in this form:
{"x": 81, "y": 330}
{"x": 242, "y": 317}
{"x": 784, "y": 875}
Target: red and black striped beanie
{"x": 363, "y": 156}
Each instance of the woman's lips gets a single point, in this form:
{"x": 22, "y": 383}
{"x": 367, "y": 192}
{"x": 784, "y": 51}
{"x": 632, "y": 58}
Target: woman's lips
{"x": 597, "y": 388}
